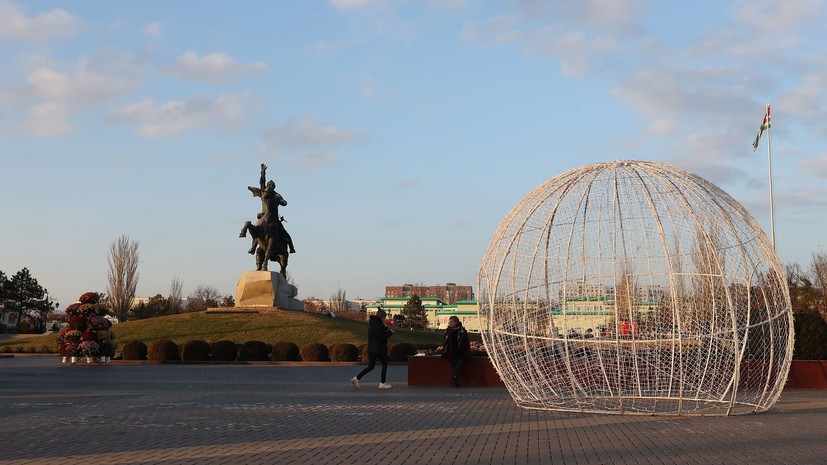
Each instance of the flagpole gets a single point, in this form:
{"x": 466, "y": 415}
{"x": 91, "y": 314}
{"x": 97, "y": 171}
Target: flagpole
{"x": 769, "y": 164}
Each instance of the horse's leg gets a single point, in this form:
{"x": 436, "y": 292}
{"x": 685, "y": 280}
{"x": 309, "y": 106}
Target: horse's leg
{"x": 270, "y": 243}
{"x": 261, "y": 263}
{"x": 283, "y": 263}
{"x": 246, "y": 227}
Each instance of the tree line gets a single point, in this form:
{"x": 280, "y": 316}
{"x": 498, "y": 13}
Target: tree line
{"x": 23, "y": 296}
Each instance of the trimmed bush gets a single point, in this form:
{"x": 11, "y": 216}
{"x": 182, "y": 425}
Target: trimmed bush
{"x": 400, "y": 352}
{"x": 253, "y": 351}
{"x": 223, "y": 351}
{"x": 284, "y": 351}
{"x": 810, "y": 336}
{"x": 163, "y": 350}
{"x": 195, "y": 351}
{"x": 315, "y": 352}
{"x": 344, "y": 353}
{"x": 134, "y": 350}
{"x": 427, "y": 347}
{"x": 363, "y": 352}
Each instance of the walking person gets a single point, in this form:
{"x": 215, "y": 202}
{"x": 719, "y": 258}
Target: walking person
{"x": 378, "y": 335}
{"x": 456, "y": 346}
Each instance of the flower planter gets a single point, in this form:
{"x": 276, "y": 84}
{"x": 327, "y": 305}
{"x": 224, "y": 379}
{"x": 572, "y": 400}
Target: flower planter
{"x": 436, "y": 371}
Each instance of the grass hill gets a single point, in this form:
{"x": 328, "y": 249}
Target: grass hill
{"x": 298, "y": 327}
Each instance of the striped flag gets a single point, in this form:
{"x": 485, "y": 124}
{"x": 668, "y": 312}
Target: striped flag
{"x": 764, "y": 125}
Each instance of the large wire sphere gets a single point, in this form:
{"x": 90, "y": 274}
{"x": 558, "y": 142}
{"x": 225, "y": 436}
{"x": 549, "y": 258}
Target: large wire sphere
{"x": 635, "y": 287}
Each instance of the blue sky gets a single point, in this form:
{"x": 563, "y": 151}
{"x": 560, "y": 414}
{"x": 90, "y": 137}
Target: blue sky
{"x": 400, "y": 132}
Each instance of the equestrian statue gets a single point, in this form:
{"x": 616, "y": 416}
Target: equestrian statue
{"x": 270, "y": 240}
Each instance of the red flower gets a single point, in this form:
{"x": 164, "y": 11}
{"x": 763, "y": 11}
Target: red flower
{"x": 78, "y": 322}
{"x": 73, "y": 309}
{"x": 89, "y": 298}
{"x": 90, "y": 335}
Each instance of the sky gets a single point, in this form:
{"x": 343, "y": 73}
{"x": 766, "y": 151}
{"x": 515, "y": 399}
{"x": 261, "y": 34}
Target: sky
{"x": 400, "y": 132}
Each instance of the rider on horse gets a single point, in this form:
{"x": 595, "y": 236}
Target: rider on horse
{"x": 270, "y": 201}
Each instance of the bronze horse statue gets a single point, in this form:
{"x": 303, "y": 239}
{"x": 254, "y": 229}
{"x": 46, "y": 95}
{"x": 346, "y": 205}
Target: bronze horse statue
{"x": 267, "y": 245}
{"x": 270, "y": 240}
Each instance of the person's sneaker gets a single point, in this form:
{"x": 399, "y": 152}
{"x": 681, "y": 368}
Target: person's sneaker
{"x": 384, "y": 386}
{"x": 355, "y": 382}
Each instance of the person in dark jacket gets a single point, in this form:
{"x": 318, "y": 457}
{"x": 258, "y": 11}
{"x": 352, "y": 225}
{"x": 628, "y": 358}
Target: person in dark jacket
{"x": 378, "y": 335}
{"x": 456, "y": 346}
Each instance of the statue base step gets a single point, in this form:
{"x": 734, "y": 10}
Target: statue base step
{"x": 263, "y": 289}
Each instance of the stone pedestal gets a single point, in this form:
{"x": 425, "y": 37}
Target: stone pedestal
{"x": 266, "y": 289}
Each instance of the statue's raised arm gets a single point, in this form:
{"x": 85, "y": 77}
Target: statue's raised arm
{"x": 259, "y": 191}
{"x": 261, "y": 180}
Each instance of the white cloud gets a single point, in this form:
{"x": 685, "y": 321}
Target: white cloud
{"x": 153, "y": 30}
{"x": 308, "y": 133}
{"x": 47, "y": 120}
{"x": 152, "y": 119}
{"x": 806, "y": 102}
{"x": 774, "y": 15}
{"x": 351, "y": 4}
{"x": 101, "y": 78}
{"x": 315, "y": 160}
{"x": 448, "y": 4}
{"x": 499, "y": 31}
{"x": 46, "y": 26}
{"x": 48, "y": 83}
{"x": 577, "y": 33}
{"x": 213, "y": 67}
{"x": 816, "y": 167}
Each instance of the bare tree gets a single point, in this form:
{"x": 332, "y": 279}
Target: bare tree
{"x": 708, "y": 283}
{"x": 338, "y": 301}
{"x": 626, "y": 301}
{"x": 203, "y": 297}
{"x": 818, "y": 270}
{"x": 123, "y": 275}
{"x": 175, "y": 292}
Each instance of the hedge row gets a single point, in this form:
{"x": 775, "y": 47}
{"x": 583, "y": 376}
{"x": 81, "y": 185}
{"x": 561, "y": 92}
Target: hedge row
{"x": 229, "y": 351}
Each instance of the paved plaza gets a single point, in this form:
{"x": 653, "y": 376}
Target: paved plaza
{"x": 276, "y": 414}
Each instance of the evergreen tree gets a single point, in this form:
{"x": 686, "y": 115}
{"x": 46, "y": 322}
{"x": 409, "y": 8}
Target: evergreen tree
{"x": 415, "y": 314}
{"x": 23, "y": 294}
{"x": 155, "y": 306}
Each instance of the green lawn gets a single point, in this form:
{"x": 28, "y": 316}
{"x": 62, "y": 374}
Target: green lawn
{"x": 298, "y": 327}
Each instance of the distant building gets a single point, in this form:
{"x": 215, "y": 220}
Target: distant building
{"x": 465, "y": 310}
{"x": 436, "y": 310}
{"x": 8, "y": 319}
{"x": 449, "y": 293}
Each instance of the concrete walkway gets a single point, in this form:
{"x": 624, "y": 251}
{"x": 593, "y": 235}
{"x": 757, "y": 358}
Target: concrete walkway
{"x": 264, "y": 414}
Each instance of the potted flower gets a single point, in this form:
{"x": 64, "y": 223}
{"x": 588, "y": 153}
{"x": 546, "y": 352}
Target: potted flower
{"x": 89, "y": 349}
{"x": 89, "y": 333}
{"x": 70, "y": 350}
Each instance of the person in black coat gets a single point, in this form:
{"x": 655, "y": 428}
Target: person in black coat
{"x": 378, "y": 335}
{"x": 456, "y": 346}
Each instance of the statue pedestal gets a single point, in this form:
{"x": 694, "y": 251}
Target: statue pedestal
{"x": 266, "y": 289}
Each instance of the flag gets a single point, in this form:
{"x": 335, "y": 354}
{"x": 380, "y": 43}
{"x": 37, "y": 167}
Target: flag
{"x": 764, "y": 125}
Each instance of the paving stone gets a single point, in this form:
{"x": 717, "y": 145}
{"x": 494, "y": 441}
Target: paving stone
{"x": 270, "y": 414}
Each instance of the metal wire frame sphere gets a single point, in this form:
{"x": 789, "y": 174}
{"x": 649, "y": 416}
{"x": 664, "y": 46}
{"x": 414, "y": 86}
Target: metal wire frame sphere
{"x": 638, "y": 288}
